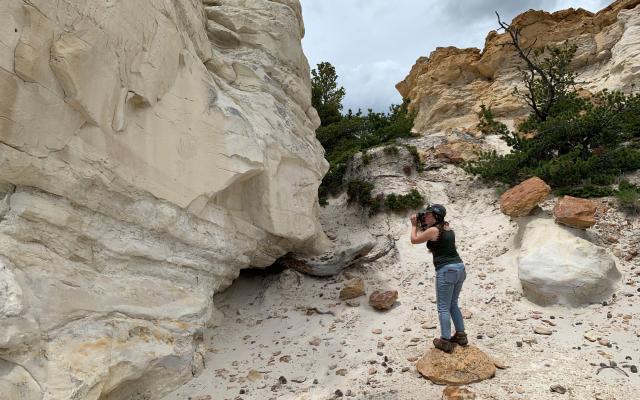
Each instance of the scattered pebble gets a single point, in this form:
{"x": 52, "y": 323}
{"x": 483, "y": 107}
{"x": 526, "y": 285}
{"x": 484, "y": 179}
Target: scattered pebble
{"x": 558, "y": 389}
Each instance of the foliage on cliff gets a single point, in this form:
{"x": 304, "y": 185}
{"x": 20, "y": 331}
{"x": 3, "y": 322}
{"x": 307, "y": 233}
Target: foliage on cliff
{"x": 352, "y": 133}
{"x": 578, "y": 144}
{"x": 326, "y": 96}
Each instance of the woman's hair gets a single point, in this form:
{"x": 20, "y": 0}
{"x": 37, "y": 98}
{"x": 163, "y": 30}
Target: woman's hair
{"x": 440, "y": 225}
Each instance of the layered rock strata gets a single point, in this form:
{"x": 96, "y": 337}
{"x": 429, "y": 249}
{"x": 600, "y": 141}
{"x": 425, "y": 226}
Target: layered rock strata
{"x": 148, "y": 152}
{"x": 447, "y": 88}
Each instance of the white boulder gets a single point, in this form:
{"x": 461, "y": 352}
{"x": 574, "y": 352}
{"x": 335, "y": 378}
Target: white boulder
{"x": 556, "y": 266}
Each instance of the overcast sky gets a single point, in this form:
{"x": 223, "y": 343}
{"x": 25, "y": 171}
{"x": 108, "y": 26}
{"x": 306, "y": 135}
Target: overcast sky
{"x": 374, "y": 43}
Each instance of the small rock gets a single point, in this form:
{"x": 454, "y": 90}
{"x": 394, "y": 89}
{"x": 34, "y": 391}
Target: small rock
{"x": 575, "y": 212}
{"x": 299, "y": 379}
{"x": 315, "y": 342}
{"x": 542, "y": 330}
{"x": 341, "y": 372}
{"x": 405, "y": 369}
{"x": 353, "y": 289}
{"x": 338, "y": 393}
{"x": 634, "y": 369}
{"x": 372, "y": 370}
{"x": 254, "y": 375}
{"x": 558, "y": 389}
{"x": 285, "y": 359}
{"x": 353, "y": 303}
{"x": 282, "y": 380}
{"x": 604, "y": 342}
{"x": 591, "y": 336}
{"x": 383, "y": 300}
{"x": 412, "y": 359}
{"x": 466, "y": 314}
{"x": 406, "y": 329}
{"x": 376, "y": 331}
{"x": 457, "y": 393}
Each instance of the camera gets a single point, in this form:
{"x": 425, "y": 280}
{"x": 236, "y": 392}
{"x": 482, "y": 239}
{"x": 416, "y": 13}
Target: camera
{"x": 420, "y": 218}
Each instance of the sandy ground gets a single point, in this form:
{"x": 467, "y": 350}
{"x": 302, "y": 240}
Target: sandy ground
{"x": 269, "y": 346}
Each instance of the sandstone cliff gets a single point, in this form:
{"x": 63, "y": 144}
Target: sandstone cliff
{"x": 448, "y": 87}
{"x": 148, "y": 152}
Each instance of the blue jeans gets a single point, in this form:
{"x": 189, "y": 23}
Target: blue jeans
{"x": 449, "y": 279}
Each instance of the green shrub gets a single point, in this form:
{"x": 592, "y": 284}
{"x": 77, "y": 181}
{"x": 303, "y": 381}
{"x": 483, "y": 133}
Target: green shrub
{"x": 628, "y": 196}
{"x": 411, "y": 200}
{"x": 366, "y": 157}
{"x": 359, "y": 191}
{"x": 391, "y": 149}
{"x": 355, "y": 133}
{"x": 575, "y": 145}
{"x": 416, "y": 157}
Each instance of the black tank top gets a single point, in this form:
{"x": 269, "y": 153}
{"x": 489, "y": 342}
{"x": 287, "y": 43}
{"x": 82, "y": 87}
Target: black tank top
{"x": 444, "y": 249}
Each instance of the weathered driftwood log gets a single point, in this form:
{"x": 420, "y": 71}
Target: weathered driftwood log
{"x": 329, "y": 263}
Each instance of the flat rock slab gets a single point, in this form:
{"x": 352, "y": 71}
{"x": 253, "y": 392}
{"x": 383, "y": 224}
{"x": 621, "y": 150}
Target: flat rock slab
{"x": 463, "y": 366}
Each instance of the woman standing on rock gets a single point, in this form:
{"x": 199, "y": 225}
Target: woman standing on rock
{"x": 450, "y": 272}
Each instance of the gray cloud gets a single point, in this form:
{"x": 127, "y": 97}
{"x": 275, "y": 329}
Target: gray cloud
{"x": 374, "y": 43}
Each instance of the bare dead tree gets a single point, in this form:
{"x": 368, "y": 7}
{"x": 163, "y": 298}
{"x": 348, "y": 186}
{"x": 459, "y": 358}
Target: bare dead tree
{"x": 529, "y": 76}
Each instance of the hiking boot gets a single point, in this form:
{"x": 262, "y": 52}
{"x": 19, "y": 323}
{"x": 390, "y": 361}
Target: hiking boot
{"x": 443, "y": 344}
{"x": 460, "y": 338}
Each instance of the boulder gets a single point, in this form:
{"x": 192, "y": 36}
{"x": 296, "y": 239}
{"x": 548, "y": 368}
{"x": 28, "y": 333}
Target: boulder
{"x": 575, "y": 212}
{"x": 464, "y": 365}
{"x": 457, "y": 393}
{"x": 353, "y": 289}
{"x": 383, "y": 300}
{"x": 522, "y": 198}
{"x": 556, "y": 266}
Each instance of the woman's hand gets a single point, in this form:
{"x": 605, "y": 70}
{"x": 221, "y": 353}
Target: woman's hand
{"x": 414, "y": 220}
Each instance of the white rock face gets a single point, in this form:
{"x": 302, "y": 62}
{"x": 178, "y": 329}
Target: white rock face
{"x": 555, "y": 266}
{"x": 148, "y": 152}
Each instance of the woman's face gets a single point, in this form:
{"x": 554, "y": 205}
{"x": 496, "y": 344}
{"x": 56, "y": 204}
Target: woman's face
{"x": 429, "y": 219}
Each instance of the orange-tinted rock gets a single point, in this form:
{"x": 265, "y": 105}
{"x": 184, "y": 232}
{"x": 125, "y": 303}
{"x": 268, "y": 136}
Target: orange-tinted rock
{"x": 575, "y": 212}
{"x": 522, "y": 198}
{"x": 353, "y": 289}
{"x": 464, "y": 365}
{"x": 457, "y": 393}
{"x": 383, "y": 300}
{"x": 457, "y": 152}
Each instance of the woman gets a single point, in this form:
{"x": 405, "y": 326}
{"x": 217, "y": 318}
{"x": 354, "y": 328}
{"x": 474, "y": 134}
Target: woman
{"x": 450, "y": 273}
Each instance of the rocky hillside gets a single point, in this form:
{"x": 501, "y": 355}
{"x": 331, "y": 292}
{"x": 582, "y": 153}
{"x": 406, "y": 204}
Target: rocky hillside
{"x": 148, "y": 152}
{"x": 448, "y": 87}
